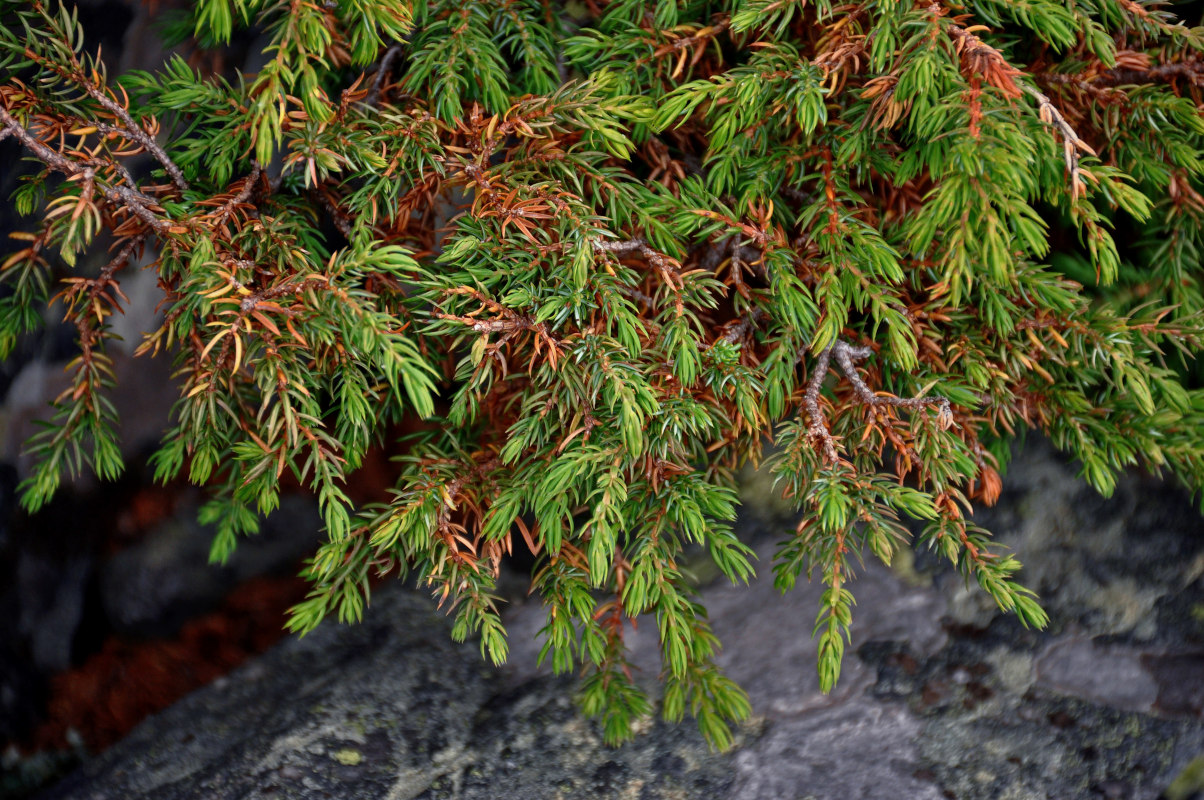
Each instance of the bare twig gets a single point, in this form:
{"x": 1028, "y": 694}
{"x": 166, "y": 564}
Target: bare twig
{"x": 122, "y": 258}
{"x": 116, "y": 166}
{"x": 817, "y": 427}
{"x": 743, "y": 326}
{"x": 636, "y": 245}
{"x": 382, "y": 72}
{"x": 136, "y": 132}
{"x": 99, "y": 285}
{"x": 118, "y": 195}
{"x": 77, "y": 75}
{"x": 248, "y": 188}
{"x": 1071, "y": 143}
{"x": 662, "y": 263}
{"x": 507, "y": 323}
{"x": 729, "y": 248}
{"x": 48, "y": 155}
{"x": 244, "y": 194}
{"x": 845, "y": 355}
{"x": 336, "y": 215}
{"x": 1189, "y": 70}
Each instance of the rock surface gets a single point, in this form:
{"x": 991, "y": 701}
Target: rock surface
{"x": 941, "y": 696}
{"x": 153, "y": 587}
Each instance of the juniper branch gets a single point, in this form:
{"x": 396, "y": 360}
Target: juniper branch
{"x": 74, "y": 73}
{"x": 630, "y": 394}
{"x": 118, "y": 195}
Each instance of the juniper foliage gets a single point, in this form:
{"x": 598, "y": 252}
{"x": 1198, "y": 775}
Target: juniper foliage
{"x": 575, "y": 264}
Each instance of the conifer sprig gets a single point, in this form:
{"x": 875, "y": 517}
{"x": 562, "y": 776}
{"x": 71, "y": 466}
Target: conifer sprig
{"x": 574, "y": 266}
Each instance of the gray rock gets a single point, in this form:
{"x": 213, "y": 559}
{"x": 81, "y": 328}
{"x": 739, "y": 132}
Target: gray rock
{"x": 153, "y": 587}
{"x": 941, "y": 696}
{"x": 859, "y": 748}
{"x": 390, "y": 708}
{"x": 357, "y": 711}
{"x": 53, "y": 600}
{"x": 1109, "y": 675}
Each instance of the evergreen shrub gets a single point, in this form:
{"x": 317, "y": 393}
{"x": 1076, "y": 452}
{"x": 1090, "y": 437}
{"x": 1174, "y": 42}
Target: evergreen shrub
{"x": 574, "y": 264}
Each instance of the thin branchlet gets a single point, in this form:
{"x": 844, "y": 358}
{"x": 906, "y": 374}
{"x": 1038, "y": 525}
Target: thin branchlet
{"x": 846, "y": 356}
{"x": 817, "y": 426}
{"x": 1072, "y": 145}
{"x": 382, "y": 73}
{"x": 137, "y": 133}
